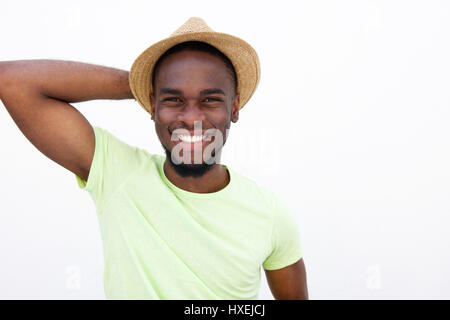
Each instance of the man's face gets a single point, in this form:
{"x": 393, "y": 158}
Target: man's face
{"x": 192, "y": 87}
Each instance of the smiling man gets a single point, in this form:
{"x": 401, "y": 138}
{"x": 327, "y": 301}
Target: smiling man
{"x": 195, "y": 84}
{"x": 179, "y": 226}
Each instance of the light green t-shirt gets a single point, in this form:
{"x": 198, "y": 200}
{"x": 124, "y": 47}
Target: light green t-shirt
{"x": 163, "y": 242}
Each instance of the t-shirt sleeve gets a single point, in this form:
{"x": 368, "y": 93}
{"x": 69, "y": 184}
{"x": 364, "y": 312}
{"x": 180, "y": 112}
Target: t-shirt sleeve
{"x": 113, "y": 162}
{"x": 285, "y": 239}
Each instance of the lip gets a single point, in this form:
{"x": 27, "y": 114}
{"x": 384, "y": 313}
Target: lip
{"x": 197, "y": 145}
{"x": 208, "y": 137}
{"x": 191, "y": 133}
{"x": 194, "y": 146}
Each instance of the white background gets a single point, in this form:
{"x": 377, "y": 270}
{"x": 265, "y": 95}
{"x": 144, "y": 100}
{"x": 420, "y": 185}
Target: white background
{"x": 350, "y": 125}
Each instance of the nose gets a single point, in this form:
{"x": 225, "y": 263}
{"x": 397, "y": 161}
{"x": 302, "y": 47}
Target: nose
{"x": 190, "y": 113}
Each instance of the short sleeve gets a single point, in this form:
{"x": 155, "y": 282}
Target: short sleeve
{"x": 113, "y": 161}
{"x": 285, "y": 239}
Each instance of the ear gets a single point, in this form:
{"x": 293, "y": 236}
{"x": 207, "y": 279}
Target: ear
{"x": 235, "y": 110}
{"x": 152, "y": 106}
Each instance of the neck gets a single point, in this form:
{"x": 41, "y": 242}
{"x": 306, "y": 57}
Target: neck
{"x": 213, "y": 180}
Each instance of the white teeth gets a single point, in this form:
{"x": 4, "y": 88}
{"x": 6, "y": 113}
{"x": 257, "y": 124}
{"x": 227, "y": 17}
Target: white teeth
{"x": 187, "y": 138}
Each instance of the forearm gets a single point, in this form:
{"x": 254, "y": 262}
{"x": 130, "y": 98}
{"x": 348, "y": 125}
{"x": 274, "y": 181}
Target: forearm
{"x": 68, "y": 81}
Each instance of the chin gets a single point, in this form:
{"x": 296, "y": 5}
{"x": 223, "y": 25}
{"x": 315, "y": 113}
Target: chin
{"x": 189, "y": 170}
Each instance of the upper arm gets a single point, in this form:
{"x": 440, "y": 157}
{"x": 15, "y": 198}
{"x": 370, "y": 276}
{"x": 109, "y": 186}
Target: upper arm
{"x": 54, "y": 127}
{"x": 288, "y": 283}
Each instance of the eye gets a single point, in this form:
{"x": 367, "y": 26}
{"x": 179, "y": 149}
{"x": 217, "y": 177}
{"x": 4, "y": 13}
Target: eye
{"x": 211, "y": 99}
{"x": 172, "y": 99}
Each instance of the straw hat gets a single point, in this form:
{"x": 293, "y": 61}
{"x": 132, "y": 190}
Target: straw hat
{"x": 243, "y": 57}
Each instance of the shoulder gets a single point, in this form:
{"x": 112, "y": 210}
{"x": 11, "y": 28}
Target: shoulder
{"x": 118, "y": 150}
{"x": 266, "y": 198}
{"x": 254, "y": 189}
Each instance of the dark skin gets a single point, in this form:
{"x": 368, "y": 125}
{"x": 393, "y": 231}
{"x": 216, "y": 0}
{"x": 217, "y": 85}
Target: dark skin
{"x": 188, "y": 74}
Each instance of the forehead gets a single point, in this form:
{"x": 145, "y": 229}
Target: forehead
{"x": 194, "y": 69}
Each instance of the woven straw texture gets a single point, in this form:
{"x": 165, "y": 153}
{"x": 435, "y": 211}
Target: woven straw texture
{"x": 243, "y": 57}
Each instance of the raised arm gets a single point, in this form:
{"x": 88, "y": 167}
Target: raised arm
{"x": 37, "y": 93}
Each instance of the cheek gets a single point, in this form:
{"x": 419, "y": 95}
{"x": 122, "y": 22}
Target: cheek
{"x": 161, "y": 123}
{"x": 159, "y": 131}
{"x": 164, "y": 117}
{"x": 163, "y": 114}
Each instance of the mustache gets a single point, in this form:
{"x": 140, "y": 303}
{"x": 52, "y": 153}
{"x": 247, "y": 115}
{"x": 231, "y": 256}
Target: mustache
{"x": 183, "y": 125}
{"x": 189, "y": 128}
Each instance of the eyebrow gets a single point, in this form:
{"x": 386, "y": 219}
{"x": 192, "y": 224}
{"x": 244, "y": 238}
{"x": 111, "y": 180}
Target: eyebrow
{"x": 203, "y": 92}
{"x": 170, "y": 91}
{"x": 212, "y": 91}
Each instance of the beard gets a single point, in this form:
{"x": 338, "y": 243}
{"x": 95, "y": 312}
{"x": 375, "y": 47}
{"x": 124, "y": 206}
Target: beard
{"x": 189, "y": 170}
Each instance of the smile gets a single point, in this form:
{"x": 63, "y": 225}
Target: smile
{"x": 188, "y": 138}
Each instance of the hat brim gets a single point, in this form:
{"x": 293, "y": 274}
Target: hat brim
{"x": 243, "y": 57}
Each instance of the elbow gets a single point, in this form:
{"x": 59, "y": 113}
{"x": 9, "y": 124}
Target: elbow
{"x": 2, "y": 71}
{"x": 8, "y": 76}
{"x": 4, "y": 66}
{"x": 2, "y": 76}
{"x": 299, "y": 295}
